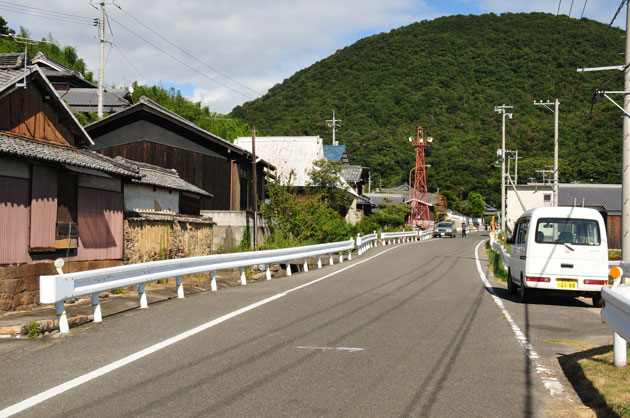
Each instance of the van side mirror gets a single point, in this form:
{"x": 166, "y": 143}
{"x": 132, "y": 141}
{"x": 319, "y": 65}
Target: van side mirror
{"x": 510, "y": 239}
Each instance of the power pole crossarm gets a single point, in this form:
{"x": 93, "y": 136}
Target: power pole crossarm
{"x": 555, "y": 111}
{"x": 332, "y": 123}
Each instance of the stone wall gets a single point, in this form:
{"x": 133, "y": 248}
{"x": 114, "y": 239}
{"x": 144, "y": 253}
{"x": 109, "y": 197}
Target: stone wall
{"x": 19, "y": 285}
{"x": 152, "y": 240}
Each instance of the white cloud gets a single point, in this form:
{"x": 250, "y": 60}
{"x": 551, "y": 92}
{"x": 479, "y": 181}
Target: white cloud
{"x": 256, "y": 43}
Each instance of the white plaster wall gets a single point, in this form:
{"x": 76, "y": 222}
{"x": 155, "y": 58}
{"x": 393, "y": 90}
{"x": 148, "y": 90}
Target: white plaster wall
{"x": 532, "y": 197}
{"x": 143, "y": 197}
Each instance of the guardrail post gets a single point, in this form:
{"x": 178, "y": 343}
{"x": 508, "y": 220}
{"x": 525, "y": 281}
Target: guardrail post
{"x": 288, "y": 268}
{"x": 213, "y": 281}
{"x": 330, "y": 258}
{"x": 143, "y": 296}
{"x": 96, "y": 308}
{"x": 319, "y": 261}
{"x": 349, "y": 254}
{"x": 340, "y": 257}
{"x": 180, "y": 287}
{"x": 60, "y": 309}
{"x": 619, "y": 350}
{"x": 243, "y": 277}
{"x": 267, "y": 272}
{"x": 305, "y": 265}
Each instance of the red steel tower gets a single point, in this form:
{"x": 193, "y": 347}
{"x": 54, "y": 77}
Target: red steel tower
{"x": 418, "y": 195}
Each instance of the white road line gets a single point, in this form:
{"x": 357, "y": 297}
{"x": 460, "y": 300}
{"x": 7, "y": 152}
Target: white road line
{"x": 64, "y": 387}
{"x": 349, "y": 349}
{"x": 549, "y": 380}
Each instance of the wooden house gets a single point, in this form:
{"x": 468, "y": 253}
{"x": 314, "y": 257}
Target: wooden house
{"x": 149, "y": 133}
{"x": 56, "y": 198}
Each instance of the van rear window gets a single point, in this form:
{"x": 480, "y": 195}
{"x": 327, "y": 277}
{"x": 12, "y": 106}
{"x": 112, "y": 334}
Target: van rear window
{"x": 569, "y": 231}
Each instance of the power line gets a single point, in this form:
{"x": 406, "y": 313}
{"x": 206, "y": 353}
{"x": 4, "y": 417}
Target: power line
{"x": 47, "y": 14}
{"x": 189, "y": 55}
{"x": 180, "y": 61}
{"x": 130, "y": 63}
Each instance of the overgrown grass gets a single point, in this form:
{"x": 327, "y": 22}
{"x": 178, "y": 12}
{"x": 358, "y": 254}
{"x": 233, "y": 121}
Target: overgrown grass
{"x": 496, "y": 263}
{"x": 33, "y": 330}
{"x": 600, "y": 384}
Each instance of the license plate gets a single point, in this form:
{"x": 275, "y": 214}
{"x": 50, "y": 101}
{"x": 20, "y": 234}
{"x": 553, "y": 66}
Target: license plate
{"x": 566, "y": 283}
{"x": 442, "y": 234}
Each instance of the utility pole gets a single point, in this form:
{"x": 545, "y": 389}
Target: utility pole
{"x": 255, "y": 191}
{"x": 101, "y": 62}
{"x": 501, "y": 110}
{"x": 555, "y": 111}
{"x": 619, "y": 344}
{"x": 332, "y": 123}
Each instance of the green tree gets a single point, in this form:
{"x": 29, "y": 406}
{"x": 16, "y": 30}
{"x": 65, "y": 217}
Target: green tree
{"x": 4, "y": 28}
{"x": 477, "y": 207}
{"x": 325, "y": 178}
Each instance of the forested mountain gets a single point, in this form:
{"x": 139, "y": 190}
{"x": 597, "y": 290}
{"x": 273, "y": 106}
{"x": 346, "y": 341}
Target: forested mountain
{"x": 447, "y": 75}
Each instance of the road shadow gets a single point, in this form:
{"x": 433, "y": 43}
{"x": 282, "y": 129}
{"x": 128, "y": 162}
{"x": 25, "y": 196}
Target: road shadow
{"x": 589, "y": 395}
{"x": 541, "y": 298}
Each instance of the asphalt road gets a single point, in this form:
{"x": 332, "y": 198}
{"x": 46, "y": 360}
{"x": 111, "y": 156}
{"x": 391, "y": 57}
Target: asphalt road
{"x": 406, "y": 330}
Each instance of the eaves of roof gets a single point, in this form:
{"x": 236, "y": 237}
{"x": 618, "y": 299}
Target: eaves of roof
{"x": 149, "y": 106}
{"x": 30, "y": 149}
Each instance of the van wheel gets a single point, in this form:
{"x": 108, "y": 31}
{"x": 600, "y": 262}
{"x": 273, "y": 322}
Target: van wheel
{"x": 523, "y": 293}
{"x": 598, "y": 302}
{"x": 510, "y": 284}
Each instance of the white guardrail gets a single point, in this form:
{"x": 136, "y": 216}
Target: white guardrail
{"x": 496, "y": 246}
{"x": 56, "y": 289}
{"x": 404, "y": 236}
{"x": 616, "y": 311}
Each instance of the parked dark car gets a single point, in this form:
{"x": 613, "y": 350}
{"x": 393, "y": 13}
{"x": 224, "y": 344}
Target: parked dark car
{"x": 445, "y": 229}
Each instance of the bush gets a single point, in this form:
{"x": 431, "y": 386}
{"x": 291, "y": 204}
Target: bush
{"x": 33, "y": 330}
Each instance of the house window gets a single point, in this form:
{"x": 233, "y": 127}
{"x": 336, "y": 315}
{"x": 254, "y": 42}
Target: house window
{"x": 547, "y": 199}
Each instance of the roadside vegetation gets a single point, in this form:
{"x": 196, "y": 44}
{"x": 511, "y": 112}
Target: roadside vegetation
{"x": 496, "y": 263}
{"x": 600, "y": 385}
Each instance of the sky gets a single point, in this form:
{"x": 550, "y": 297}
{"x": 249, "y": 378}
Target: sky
{"x": 223, "y": 53}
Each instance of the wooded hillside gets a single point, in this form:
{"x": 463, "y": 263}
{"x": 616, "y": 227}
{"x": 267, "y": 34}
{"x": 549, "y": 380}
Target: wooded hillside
{"x": 447, "y": 75}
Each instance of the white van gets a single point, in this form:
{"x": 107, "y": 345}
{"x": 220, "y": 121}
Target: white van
{"x": 560, "y": 249}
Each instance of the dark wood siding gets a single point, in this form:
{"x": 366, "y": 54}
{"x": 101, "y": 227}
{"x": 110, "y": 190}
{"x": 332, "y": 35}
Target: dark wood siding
{"x": 613, "y": 226}
{"x": 25, "y": 113}
{"x": 207, "y": 172}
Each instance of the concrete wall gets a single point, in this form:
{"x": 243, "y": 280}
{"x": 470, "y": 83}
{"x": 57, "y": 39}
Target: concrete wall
{"x": 354, "y": 215}
{"x": 532, "y": 195}
{"x": 230, "y": 226}
{"x": 144, "y": 197}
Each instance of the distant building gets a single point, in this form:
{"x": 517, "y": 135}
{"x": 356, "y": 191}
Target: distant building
{"x": 605, "y": 198}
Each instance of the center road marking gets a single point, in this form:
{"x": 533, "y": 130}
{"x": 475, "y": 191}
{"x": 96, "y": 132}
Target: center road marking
{"x": 349, "y": 349}
{"x": 549, "y": 379}
{"x": 64, "y": 387}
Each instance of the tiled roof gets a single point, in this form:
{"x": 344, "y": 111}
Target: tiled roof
{"x": 387, "y": 198}
{"x": 161, "y": 177}
{"x": 167, "y": 216}
{"x": 48, "y": 152}
{"x": 351, "y": 173}
{"x": 608, "y": 196}
{"x": 334, "y": 152}
{"x": 9, "y": 76}
{"x": 144, "y": 103}
{"x": 12, "y": 60}
{"x": 86, "y": 99}
{"x": 364, "y": 200}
